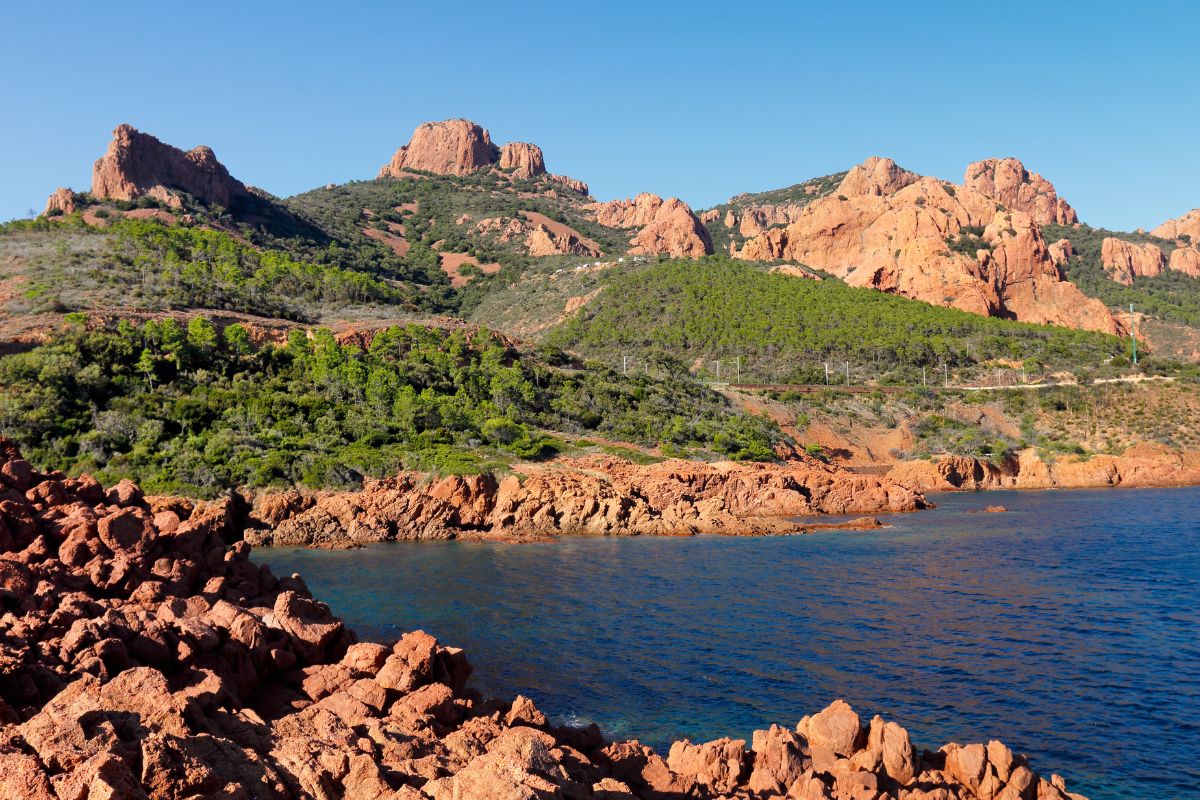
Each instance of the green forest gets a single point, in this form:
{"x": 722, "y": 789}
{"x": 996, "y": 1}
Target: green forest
{"x": 196, "y": 410}
{"x": 783, "y": 327}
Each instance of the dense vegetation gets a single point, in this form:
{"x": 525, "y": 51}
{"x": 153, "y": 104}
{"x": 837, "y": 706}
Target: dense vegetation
{"x": 784, "y": 327}
{"x": 1171, "y": 296}
{"x": 195, "y": 410}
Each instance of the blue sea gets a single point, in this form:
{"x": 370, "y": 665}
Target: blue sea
{"x": 1068, "y": 627}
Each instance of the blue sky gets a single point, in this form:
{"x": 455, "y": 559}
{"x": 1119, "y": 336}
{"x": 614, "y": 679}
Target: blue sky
{"x": 697, "y": 100}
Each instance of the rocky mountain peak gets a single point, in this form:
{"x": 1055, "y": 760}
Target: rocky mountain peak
{"x": 524, "y": 159}
{"x": 876, "y": 176}
{"x": 1006, "y": 181}
{"x": 449, "y": 147}
{"x": 137, "y": 164}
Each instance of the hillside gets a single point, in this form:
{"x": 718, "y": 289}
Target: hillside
{"x": 1155, "y": 288}
{"x": 176, "y": 325}
{"x": 200, "y": 410}
{"x": 783, "y": 327}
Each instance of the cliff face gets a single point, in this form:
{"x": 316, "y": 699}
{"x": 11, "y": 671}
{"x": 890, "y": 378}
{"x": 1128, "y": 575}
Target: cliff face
{"x": 888, "y": 229}
{"x": 451, "y": 147}
{"x": 524, "y": 159}
{"x": 1008, "y": 182}
{"x": 665, "y": 226}
{"x": 144, "y": 657}
{"x": 1123, "y": 261}
{"x": 137, "y": 164}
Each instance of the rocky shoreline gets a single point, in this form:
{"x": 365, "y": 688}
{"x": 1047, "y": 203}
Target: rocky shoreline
{"x": 1146, "y": 465}
{"x": 142, "y": 655}
{"x": 596, "y": 495}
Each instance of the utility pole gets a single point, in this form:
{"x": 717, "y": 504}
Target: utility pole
{"x": 1133, "y": 333}
{"x": 739, "y": 369}
{"x": 946, "y": 372}
{"x": 718, "y": 370}
{"x": 847, "y": 373}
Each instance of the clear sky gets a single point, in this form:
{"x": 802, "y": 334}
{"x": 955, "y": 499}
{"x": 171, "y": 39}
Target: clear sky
{"x": 691, "y": 99}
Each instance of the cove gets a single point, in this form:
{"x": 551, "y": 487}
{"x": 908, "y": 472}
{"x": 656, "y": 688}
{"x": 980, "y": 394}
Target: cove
{"x": 1067, "y": 627}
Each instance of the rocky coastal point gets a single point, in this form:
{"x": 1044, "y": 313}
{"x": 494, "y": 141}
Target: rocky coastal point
{"x": 142, "y": 655}
{"x": 577, "y": 496}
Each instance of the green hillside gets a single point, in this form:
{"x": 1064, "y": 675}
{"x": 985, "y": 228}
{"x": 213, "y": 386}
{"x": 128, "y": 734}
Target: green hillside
{"x": 201, "y": 410}
{"x": 783, "y": 328}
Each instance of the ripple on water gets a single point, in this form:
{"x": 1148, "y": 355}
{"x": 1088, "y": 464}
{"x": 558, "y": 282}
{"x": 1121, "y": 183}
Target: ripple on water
{"x": 1068, "y": 628}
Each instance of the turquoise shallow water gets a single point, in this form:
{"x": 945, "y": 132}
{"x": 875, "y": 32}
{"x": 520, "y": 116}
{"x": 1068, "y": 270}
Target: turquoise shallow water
{"x": 1069, "y": 627}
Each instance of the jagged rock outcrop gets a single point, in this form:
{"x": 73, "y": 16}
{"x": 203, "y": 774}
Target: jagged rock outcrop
{"x": 542, "y": 241}
{"x": 1123, "y": 261}
{"x": 144, "y": 657}
{"x": 666, "y": 227}
{"x": 753, "y": 220}
{"x": 524, "y": 159}
{"x": 460, "y": 147}
{"x": 1188, "y": 225}
{"x": 1143, "y": 465}
{"x": 888, "y": 229}
{"x": 876, "y": 176}
{"x": 61, "y": 201}
{"x": 450, "y": 147}
{"x": 591, "y": 496}
{"x": 1061, "y": 252}
{"x": 1006, "y": 181}
{"x": 574, "y": 184}
{"x": 137, "y": 164}
{"x": 1185, "y": 260}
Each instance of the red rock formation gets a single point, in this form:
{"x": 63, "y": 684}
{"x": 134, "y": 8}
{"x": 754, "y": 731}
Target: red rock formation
{"x": 524, "y": 159}
{"x": 573, "y": 184}
{"x": 1142, "y": 465}
{"x": 1188, "y": 225}
{"x": 1008, "y": 182}
{"x": 876, "y": 176}
{"x": 665, "y": 227}
{"x": 753, "y": 220}
{"x": 137, "y": 164}
{"x": 889, "y": 230}
{"x": 1061, "y": 252}
{"x": 1185, "y": 260}
{"x": 1123, "y": 261}
{"x": 142, "y": 656}
{"x": 542, "y": 241}
{"x": 62, "y": 201}
{"x": 451, "y": 147}
{"x": 597, "y": 495}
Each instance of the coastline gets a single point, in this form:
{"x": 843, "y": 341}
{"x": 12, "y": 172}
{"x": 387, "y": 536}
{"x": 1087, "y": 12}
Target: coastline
{"x": 145, "y": 656}
{"x": 597, "y": 495}
{"x": 1142, "y": 466}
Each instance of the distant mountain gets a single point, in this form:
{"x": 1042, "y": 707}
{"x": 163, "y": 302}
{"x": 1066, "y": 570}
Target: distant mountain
{"x": 453, "y": 218}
